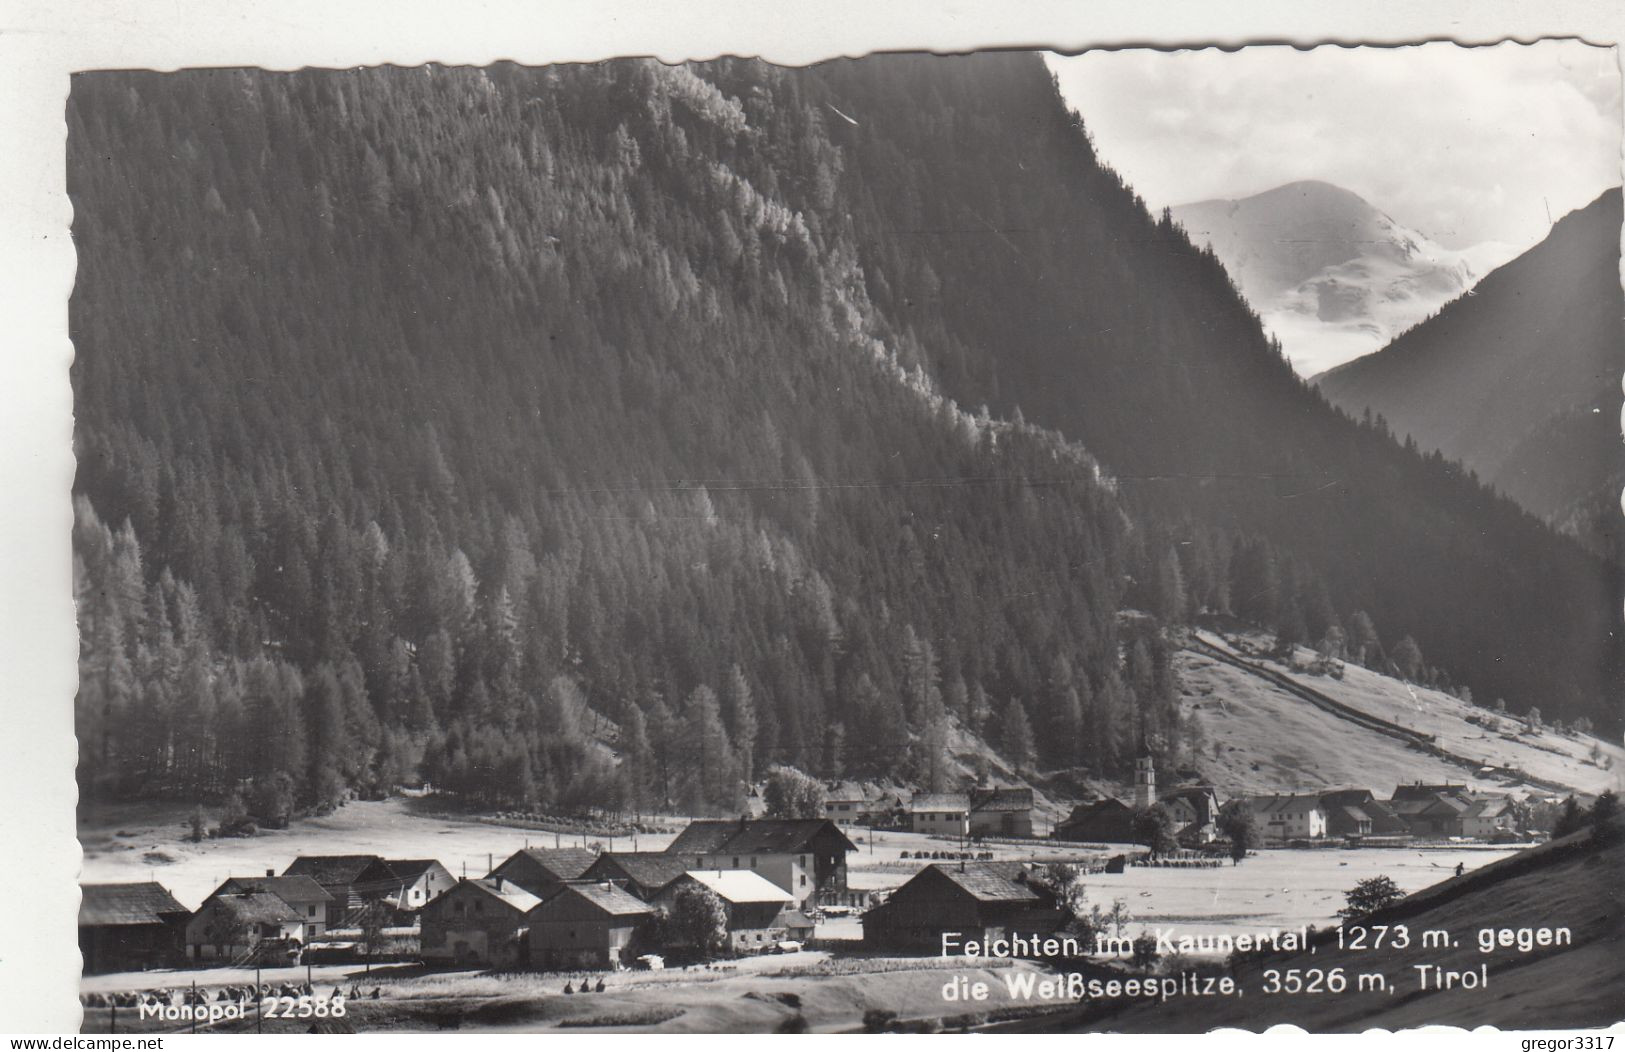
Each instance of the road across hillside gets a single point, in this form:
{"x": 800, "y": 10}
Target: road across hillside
{"x": 1427, "y": 743}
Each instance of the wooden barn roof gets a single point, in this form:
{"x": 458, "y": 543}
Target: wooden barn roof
{"x": 760, "y": 836}
{"x": 118, "y": 905}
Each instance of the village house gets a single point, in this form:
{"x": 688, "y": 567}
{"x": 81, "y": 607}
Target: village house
{"x": 1108, "y": 821}
{"x": 977, "y": 900}
{"x": 123, "y": 927}
{"x": 804, "y": 856}
{"x": 586, "y": 926}
{"x": 757, "y": 908}
{"x": 245, "y": 927}
{"x": 1346, "y": 820}
{"x": 940, "y": 814}
{"x": 1001, "y": 812}
{"x": 640, "y": 873}
{"x": 476, "y": 922}
{"x": 1489, "y": 817}
{"x": 406, "y": 883}
{"x": 309, "y": 899}
{"x": 543, "y": 870}
{"x": 1358, "y": 813}
{"x": 1195, "y": 810}
{"x": 337, "y": 874}
{"x": 845, "y": 804}
{"x": 1432, "y": 810}
{"x": 1292, "y": 817}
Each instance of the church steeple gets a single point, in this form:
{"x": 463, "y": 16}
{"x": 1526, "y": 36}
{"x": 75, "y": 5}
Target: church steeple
{"x": 1145, "y": 777}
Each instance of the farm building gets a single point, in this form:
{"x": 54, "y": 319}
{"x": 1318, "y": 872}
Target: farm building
{"x": 941, "y": 814}
{"x": 1001, "y": 812}
{"x": 244, "y": 927}
{"x": 480, "y": 921}
{"x": 977, "y": 900}
{"x": 758, "y": 910}
{"x": 129, "y": 926}
{"x": 1108, "y": 821}
{"x": 408, "y": 883}
{"x": 309, "y": 899}
{"x": 543, "y": 870}
{"x": 641, "y": 873}
{"x": 1357, "y": 812}
{"x": 804, "y": 856}
{"x": 1432, "y": 810}
{"x": 586, "y": 925}
{"x": 338, "y": 875}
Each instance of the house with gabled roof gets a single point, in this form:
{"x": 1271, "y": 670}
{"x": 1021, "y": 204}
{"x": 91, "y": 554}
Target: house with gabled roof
{"x": 641, "y": 873}
{"x": 1488, "y": 817}
{"x": 587, "y": 925}
{"x": 123, "y": 927}
{"x": 407, "y": 883}
{"x": 543, "y": 870}
{"x": 1195, "y": 810}
{"x": 1293, "y": 816}
{"x": 479, "y": 921}
{"x": 804, "y": 856}
{"x": 309, "y": 899}
{"x": 1001, "y": 812}
{"x": 940, "y": 814}
{"x": 977, "y": 900}
{"x": 1106, "y": 821}
{"x": 846, "y": 803}
{"x": 1431, "y": 810}
{"x": 757, "y": 908}
{"x": 337, "y": 874}
{"x": 1358, "y": 812}
{"x": 244, "y": 927}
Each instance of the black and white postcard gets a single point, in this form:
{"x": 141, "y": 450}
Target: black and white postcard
{"x": 1011, "y": 541}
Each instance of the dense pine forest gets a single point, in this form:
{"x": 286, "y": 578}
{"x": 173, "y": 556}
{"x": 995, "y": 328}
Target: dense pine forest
{"x": 600, "y": 435}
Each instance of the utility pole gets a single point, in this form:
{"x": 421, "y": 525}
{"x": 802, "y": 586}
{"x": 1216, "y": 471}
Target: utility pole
{"x": 259, "y": 1001}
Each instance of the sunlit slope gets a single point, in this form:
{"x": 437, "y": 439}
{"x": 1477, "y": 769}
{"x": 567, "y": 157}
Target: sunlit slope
{"x": 1296, "y": 745}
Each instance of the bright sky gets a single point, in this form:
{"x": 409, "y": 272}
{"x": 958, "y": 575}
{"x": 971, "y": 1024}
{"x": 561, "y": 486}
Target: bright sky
{"x": 1465, "y": 145}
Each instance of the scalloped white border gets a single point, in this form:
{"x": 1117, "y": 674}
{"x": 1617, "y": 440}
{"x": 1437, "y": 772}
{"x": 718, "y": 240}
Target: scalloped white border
{"x": 42, "y": 41}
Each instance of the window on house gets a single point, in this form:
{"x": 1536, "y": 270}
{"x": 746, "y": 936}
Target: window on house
{"x": 312, "y": 912}
{"x": 736, "y": 862}
{"x": 804, "y": 880}
{"x": 753, "y": 862}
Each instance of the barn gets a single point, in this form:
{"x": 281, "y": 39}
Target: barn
{"x": 977, "y": 900}
{"x": 480, "y": 922}
{"x": 124, "y": 927}
{"x": 586, "y": 926}
{"x": 543, "y": 870}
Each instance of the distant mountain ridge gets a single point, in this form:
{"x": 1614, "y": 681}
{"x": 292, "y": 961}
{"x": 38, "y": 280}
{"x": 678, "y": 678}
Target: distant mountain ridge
{"x": 1520, "y": 380}
{"x": 1331, "y": 274}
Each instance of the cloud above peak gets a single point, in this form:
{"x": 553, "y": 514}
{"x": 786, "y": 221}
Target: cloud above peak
{"x": 1467, "y": 145}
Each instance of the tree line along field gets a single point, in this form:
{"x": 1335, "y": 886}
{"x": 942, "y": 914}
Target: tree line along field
{"x": 535, "y": 432}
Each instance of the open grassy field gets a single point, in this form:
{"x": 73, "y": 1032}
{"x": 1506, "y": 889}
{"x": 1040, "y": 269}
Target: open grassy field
{"x": 1271, "y": 741}
{"x": 147, "y": 842}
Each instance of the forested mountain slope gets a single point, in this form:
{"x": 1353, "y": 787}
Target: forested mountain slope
{"x": 424, "y": 415}
{"x": 1520, "y": 380}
